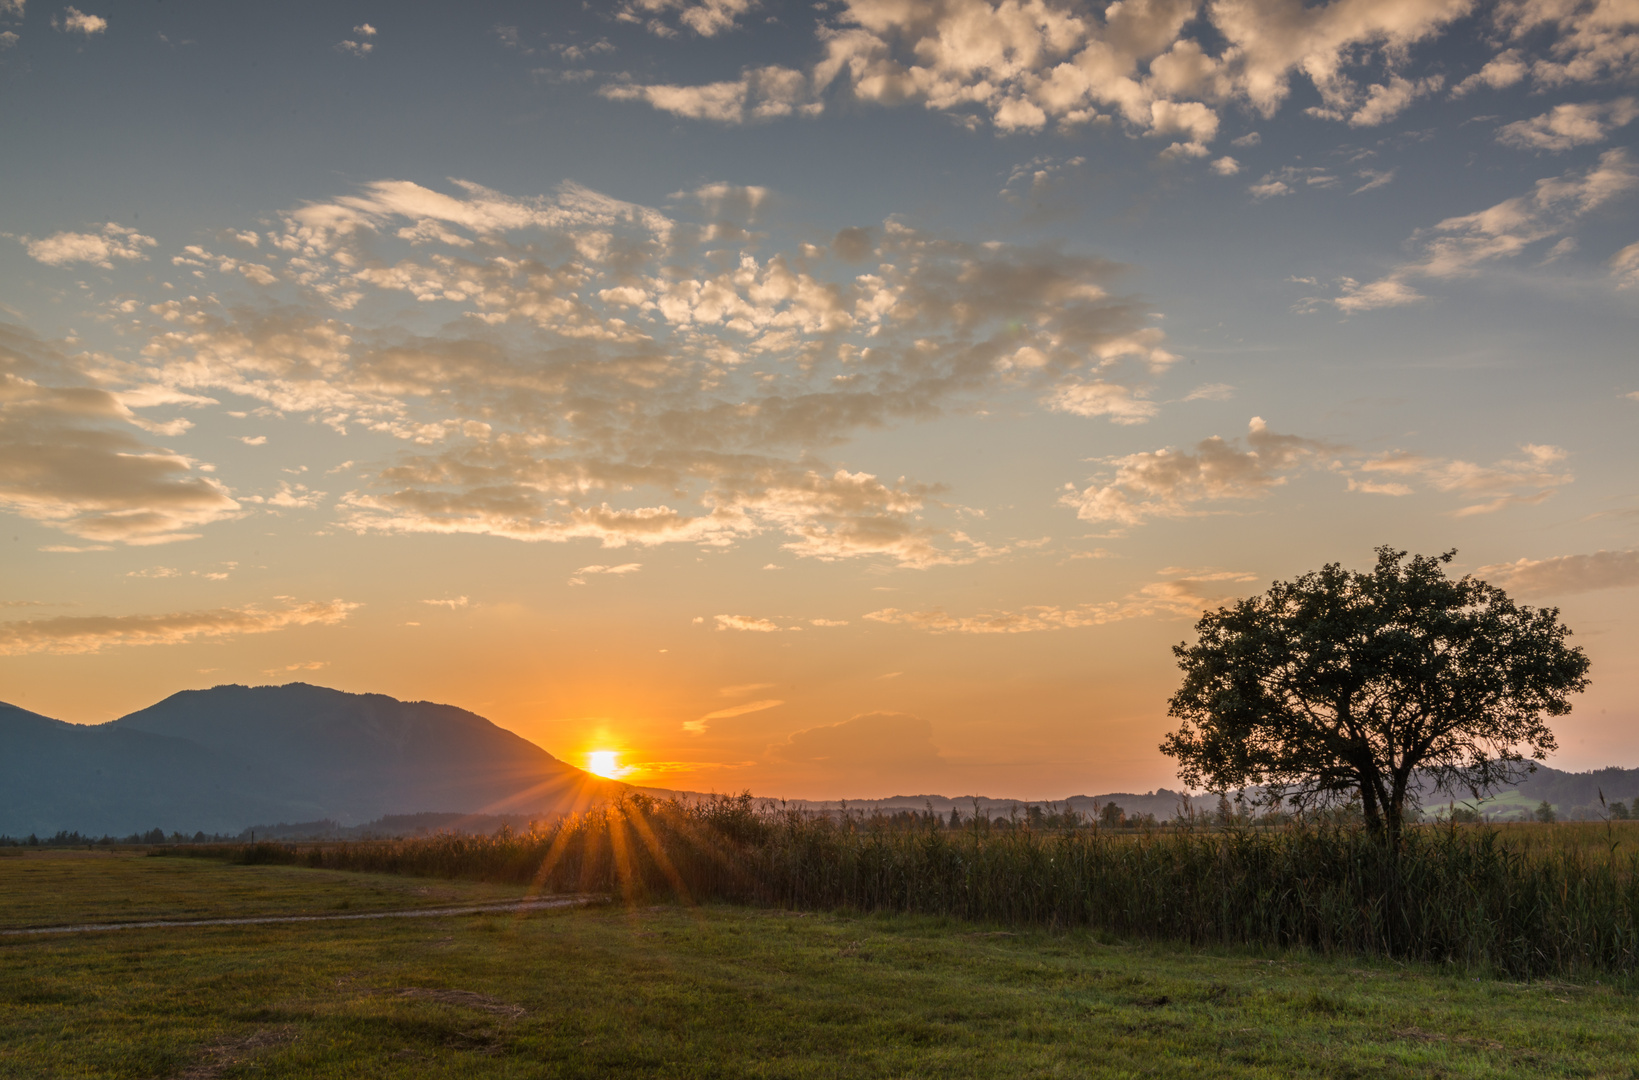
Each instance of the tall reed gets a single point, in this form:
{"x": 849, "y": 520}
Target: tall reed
{"x": 1456, "y": 894}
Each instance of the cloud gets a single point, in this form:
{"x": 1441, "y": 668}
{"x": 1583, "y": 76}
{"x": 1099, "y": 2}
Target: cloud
{"x": 1589, "y": 40}
{"x": 764, "y": 93}
{"x": 99, "y": 248}
{"x": 708, "y": 18}
{"x": 579, "y": 576}
{"x": 1375, "y": 178}
{"x": 1384, "y": 101}
{"x": 1121, "y": 404}
{"x": 1169, "y": 483}
{"x": 1501, "y": 71}
{"x": 1182, "y": 597}
{"x": 614, "y": 373}
{"x": 1567, "y": 574}
{"x": 1226, "y": 166}
{"x": 69, "y": 459}
{"x": 11, "y": 9}
{"x": 1625, "y": 267}
{"x": 361, "y": 45}
{"x": 8, "y": 38}
{"x": 92, "y": 633}
{"x": 1570, "y": 125}
{"x": 75, "y": 21}
{"x": 1529, "y": 478}
{"x": 1211, "y": 392}
{"x": 452, "y": 604}
{"x": 1024, "y": 65}
{"x": 1461, "y": 246}
{"x": 698, "y": 727}
{"x": 747, "y": 622}
{"x": 875, "y": 742}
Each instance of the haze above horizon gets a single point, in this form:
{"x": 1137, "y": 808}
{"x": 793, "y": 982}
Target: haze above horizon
{"x": 822, "y": 399}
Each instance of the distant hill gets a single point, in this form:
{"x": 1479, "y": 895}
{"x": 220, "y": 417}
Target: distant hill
{"x": 234, "y": 757}
{"x": 222, "y": 759}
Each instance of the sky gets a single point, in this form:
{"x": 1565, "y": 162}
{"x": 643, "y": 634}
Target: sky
{"x": 828, "y": 400}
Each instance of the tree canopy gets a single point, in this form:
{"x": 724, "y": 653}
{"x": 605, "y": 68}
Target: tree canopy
{"x": 1344, "y": 682}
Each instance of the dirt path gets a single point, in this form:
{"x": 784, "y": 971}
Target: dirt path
{"x": 258, "y": 920}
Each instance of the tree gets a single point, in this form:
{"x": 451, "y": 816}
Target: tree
{"x": 1344, "y": 682}
{"x": 1545, "y": 813}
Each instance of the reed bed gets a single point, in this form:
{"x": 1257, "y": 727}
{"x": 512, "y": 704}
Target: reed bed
{"x": 1462, "y": 895}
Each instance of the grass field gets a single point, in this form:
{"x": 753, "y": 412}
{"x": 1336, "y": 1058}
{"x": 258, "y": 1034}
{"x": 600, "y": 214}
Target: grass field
{"x": 711, "y": 992}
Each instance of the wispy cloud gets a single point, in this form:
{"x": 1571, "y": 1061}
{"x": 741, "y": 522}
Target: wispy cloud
{"x": 1181, "y": 597}
{"x": 697, "y": 727}
{"x": 93, "y": 633}
{"x": 1461, "y": 246}
{"x": 1564, "y": 575}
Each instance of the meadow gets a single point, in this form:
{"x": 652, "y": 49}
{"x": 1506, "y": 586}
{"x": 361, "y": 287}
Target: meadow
{"x": 714, "y": 990}
{"x": 1514, "y": 901}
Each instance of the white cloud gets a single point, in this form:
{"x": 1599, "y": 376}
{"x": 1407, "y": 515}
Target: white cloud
{"x": 361, "y": 46}
{"x": 1384, "y": 101}
{"x": 1501, "y": 71}
{"x": 452, "y": 603}
{"x": 1375, "y": 178}
{"x": 92, "y": 633}
{"x": 288, "y": 497}
{"x": 1226, "y": 166}
{"x": 1029, "y": 64}
{"x": 1526, "y": 479}
{"x": 1461, "y": 246}
{"x": 747, "y": 622}
{"x": 764, "y": 93}
{"x": 1121, "y": 404}
{"x": 613, "y": 373}
{"x": 579, "y": 576}
{"x": 11, "y": 9}
{"x": 98, "y": 248}
{"x": 1170, "y": 483}
{"x": 1590, "y": 39}
{"x": 1211, "y": 392}
{"x": 708, "y": 18}
{"x": 1569, "y": 125}
{"x": 75, "y": 21}
{"x": 9, "y": 38}
{"x": 1566, "y": 574}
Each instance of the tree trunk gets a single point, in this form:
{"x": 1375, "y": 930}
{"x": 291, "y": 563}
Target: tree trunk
{"x": 1368, "y": 804}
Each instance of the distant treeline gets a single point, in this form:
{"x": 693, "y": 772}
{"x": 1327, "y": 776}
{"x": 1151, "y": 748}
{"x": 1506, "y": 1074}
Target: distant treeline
{"x": 1532, "y": 901}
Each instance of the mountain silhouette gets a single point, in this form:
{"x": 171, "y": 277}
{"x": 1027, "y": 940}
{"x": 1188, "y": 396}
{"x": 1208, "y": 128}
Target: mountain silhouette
{"x": 232, "y": 756}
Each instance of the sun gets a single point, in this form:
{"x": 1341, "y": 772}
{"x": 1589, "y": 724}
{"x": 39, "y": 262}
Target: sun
{"x": 605, "y": 763}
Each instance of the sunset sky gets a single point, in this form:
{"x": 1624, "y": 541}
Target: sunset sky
{"x": 833, "y": 399}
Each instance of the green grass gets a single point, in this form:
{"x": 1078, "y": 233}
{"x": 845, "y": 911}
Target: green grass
{"x": 54, "y": 888}
{"x": 722, "y": 992}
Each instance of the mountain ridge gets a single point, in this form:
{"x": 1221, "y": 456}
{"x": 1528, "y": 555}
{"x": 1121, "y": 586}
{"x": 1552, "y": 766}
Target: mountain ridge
{"x": 232, "y": 757}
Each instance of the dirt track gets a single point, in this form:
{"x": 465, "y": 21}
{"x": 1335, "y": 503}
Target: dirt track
{"x": 258, "y": 920}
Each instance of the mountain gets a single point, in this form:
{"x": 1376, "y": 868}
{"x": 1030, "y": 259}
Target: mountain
{"x": 96, "y": 780}
{"x": 232, "y": 756}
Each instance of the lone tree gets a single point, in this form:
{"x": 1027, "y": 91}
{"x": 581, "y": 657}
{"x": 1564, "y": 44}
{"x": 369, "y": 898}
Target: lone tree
{"x": 1342, "y": 682}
